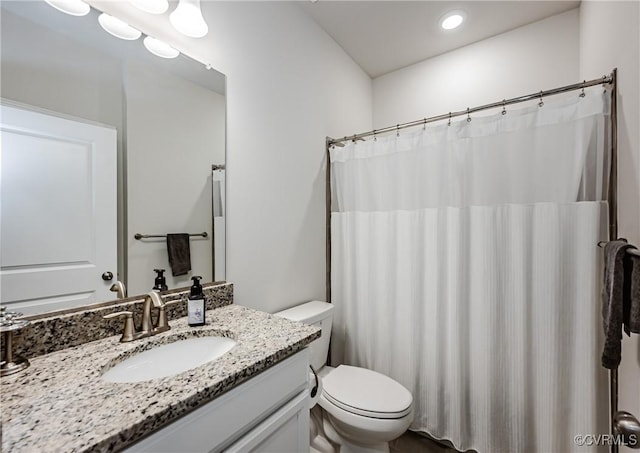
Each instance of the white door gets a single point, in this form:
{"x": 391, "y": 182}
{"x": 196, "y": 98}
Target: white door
{"x": 58, "y": 228}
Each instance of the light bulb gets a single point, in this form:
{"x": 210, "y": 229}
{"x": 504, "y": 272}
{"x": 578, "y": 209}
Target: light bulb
{"x": 159, "y": 48}
{"x": 118, "y": 28}
{"x": 452, "y": 20}
{"x": 151, "y": 6}
{"x": 187, "y": 19}
{"x": 73, "y": 7}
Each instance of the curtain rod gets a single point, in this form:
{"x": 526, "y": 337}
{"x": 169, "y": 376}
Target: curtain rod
{"x": 468, "y": 111}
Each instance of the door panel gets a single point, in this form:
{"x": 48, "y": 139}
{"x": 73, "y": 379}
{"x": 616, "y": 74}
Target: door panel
{"x": 58, "y": 211}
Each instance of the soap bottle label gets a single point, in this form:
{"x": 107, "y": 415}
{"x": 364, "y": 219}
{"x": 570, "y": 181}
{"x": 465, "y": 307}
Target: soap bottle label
{"x": 195, "y": 312}
{"x": 195, "y": 306}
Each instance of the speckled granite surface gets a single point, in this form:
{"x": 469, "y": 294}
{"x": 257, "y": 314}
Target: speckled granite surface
{"x": 60, "y": 403}
{"x": 60, "y": 330}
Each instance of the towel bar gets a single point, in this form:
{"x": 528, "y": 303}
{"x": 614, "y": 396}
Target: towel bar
{"x": 146, "y": 236}
{"x": 632, "y": 252}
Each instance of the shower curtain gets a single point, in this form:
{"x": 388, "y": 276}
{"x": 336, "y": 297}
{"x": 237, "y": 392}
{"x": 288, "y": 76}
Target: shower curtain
{"x": 465, "y": 266}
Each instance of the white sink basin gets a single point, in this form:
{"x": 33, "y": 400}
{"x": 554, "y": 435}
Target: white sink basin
{"x": 169, "y": 359}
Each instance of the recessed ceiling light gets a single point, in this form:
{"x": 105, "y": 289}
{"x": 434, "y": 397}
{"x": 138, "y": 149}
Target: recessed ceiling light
{"x": 452, "y": 20}
{"x": 118, "y": 28}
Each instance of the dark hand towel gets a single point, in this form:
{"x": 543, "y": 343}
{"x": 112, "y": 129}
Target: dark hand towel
{"x": 179, "y": 253}
{"x": 613, "y": 301}
{"x": 632, "y": 308}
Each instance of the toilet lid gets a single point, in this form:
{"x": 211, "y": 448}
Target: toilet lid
{"x": 366, "y": 392}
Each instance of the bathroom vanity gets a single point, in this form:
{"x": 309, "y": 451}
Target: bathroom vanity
{"x": 252, "y": 398}
{"x": 270, "y": 412}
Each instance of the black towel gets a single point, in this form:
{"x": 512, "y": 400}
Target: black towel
{"x": 179, "y": 253}
{"x": 632, "y": 304}
{"x": 616, "y": 264}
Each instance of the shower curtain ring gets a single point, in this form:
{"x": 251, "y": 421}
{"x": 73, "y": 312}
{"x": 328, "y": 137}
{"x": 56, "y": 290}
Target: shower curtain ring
{"x": 449, "y": 123}
{"x": 424, "y": 125}
{"x": 541, "y": 103}
{"x": 375, "y": 137}
{"x": 582, "y": 93}
{"x": 504, "y": 106}
{"x": 397, "y": 130}
{"x": 468, "y": 116}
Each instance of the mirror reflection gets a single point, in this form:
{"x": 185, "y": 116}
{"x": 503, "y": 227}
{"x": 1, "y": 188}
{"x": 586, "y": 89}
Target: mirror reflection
{"x": 103, "y": 142}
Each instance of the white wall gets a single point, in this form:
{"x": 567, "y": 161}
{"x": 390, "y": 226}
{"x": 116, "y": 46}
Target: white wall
{"x": 175, "y": 131}
{"x": 610, "y": 37}
{"x": 288, "y": 86}
{"x": 528, "y": 59}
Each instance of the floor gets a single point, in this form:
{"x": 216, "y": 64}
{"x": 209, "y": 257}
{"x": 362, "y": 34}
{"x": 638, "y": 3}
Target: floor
{"x": 411, "y": 442}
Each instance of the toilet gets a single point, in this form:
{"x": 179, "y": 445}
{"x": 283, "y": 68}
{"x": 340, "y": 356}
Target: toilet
{"x": 361, "y": 410}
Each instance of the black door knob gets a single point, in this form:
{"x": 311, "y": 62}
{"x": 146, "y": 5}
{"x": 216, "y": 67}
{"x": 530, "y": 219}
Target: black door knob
{"x": 106, "y": 276}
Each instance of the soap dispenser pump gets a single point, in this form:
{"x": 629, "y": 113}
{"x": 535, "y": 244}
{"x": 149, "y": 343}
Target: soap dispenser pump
{"x": 195, "y": 304}
{"x": 161, "y": 281}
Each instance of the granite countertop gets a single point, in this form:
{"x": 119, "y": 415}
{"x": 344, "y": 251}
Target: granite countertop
{"x": 60, "y": 403}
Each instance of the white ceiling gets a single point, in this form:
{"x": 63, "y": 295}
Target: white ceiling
{"x": 382, "y": 36}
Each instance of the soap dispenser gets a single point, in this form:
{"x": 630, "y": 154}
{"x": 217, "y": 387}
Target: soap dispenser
{"x": 195, "y": 304}
{"x": 161, "y": 281}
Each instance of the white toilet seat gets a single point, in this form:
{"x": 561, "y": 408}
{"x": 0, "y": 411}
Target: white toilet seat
{"x": 366, "y": 393}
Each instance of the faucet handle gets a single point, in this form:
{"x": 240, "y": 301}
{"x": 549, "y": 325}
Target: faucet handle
{"x": 128, "y": 333}
{"x": 163, "y": 325}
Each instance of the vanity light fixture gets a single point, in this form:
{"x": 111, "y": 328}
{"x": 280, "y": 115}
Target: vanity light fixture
{"x": 72, "y": 7}
{"x": 452, "y": 19}
{"x": 187, "y": 19}
{"x": 118, "y": 28}
{"x": 151, "y": 6}
{"x": 159, "y": 48}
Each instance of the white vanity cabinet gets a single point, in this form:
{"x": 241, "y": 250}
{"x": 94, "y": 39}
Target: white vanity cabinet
{"x": 267, "y": 413}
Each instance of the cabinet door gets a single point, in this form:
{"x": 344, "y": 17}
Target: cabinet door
{"x": 285, "y": 431}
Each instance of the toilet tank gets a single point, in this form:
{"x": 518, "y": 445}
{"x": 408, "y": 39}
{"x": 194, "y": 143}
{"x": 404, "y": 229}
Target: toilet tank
{"x": 319, "y": 314}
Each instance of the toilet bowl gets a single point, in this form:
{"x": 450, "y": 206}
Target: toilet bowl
{"x": 362, "y": 410}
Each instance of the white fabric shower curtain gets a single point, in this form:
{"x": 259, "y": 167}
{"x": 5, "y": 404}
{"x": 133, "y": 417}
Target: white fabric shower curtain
{"x": 465, "y": 266}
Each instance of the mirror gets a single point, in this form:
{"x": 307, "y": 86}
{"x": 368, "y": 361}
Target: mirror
{"x": 169, "y": 115}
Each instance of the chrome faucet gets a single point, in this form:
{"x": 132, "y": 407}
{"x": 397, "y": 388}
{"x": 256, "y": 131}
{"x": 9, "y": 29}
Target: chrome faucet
{"x": 147, "y": 328}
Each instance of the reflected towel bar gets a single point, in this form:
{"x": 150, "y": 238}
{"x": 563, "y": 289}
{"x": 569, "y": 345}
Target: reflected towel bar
{"x": 146, "y": 236}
